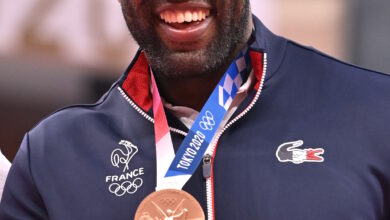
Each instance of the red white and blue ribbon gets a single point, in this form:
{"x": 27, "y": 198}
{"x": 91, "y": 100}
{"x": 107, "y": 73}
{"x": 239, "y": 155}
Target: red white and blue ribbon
{"x": 164, "y": 147}
{"x": 173, "y": 171}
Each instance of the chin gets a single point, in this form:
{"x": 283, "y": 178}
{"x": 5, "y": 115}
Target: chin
{"x": 197, "y": 63}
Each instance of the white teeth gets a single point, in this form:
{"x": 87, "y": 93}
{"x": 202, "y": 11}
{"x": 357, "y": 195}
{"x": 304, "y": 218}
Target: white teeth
{"x": 173, "y": 18}
{"x": 200, "y": 15}
{"x": 180, "y": 17}
{"x": 194, "y": 16}
{"x": 184, "y": 16}
{"x": 188, "y": 16}
{"x": 165, "y": 16}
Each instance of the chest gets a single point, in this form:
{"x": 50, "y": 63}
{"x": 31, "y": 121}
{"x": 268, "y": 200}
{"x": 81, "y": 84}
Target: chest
{"x": 319, "y": 178}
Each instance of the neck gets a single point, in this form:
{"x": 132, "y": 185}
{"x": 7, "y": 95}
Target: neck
{"x": 193, "y": 92}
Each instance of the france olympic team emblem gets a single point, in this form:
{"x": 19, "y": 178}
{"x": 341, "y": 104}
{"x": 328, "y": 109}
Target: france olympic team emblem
{"x": 289, "y": 152}
{"x": 129, "y": 180}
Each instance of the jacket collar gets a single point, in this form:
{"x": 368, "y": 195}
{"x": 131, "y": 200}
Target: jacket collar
{"x": 268, "y": 42}
{"x": 135, "y": 81}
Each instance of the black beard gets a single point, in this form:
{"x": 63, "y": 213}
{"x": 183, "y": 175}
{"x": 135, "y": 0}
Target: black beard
{"x": 196, "y": 63}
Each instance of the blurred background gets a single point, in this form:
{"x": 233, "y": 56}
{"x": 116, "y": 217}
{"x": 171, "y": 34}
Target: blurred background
{"x": 55, "y": 53}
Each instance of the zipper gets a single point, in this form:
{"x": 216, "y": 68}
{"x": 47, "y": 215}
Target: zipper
{"x": 210, "y": 152}
{"x": 144, "y": 114}
{"x": 207, "y": 174}
{"x": 208, "y": 158}
{"x": 206, "y": 166}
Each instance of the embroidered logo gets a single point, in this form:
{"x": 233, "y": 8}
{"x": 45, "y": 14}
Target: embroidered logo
{"x": 289, "y": 152}
{"x": 129, "y": 181}
{"x": 129, "y": 187}
{"x": 120, "y": 157}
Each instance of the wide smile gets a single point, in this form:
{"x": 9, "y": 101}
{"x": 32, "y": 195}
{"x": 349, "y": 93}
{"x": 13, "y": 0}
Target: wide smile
{"x": 184, "y": 22}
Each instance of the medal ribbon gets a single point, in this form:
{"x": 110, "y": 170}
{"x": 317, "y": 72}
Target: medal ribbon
{"x": 173, "y": 171}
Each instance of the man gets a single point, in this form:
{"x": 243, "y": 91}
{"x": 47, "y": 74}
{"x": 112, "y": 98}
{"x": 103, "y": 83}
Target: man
{"x": 302, "y": 136}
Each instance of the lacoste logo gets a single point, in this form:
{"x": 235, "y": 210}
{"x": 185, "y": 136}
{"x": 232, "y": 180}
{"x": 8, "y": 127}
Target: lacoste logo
{"x": 289, "y": 152}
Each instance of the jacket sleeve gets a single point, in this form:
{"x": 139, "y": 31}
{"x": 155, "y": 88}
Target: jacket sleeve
{"x": 21, "y": 198}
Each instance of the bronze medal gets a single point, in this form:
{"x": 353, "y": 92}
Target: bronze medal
{"x": 169, "y": 204}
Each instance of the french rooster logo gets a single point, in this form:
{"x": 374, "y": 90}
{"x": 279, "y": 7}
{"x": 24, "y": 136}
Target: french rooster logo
{"x": 289, "y": 152}
{"x": 118, "y": 156}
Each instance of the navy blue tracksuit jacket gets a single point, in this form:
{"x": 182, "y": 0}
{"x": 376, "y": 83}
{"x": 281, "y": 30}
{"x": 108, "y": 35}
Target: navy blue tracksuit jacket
{"x": 311, "y": 141}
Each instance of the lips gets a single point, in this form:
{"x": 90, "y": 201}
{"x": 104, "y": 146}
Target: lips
{"x": 188, "y": 16}
{"x": 184, "y": 22}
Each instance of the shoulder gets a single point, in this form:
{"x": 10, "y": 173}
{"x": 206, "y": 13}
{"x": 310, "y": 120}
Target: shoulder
{"x": 310, "y": 80}
{"x": 311, "y": 63}
{"x": 310, "y": 54}
{"x": 86, "y": 125}
{"x": 72, "y": 121}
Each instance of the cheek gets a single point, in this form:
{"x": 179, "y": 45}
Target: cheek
{"x": 137, "y": 11}
{"x": 238, "y": 9}
{"x": 132, "y": 5}
{"x": 229, "y": 10}
{"x": 140, "y": 4}
{"x": 137, "y": 2}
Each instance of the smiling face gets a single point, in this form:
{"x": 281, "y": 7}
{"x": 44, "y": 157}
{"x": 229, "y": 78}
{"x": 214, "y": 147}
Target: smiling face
{"x": 188, "y": 38}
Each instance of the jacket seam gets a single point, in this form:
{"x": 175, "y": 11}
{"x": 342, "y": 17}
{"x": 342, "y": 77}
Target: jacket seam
{"x": 99, "y": 102}
{"x": 324, "y": 55}
{"x": 31, "y": 172}
{"x": 29, "y": 158}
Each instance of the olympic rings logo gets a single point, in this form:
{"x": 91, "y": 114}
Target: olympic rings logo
{"x": 126, "y": 187}
{"x": 207, "y": 122}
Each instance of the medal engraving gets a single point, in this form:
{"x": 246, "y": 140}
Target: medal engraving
{"x": 169, "y": 204}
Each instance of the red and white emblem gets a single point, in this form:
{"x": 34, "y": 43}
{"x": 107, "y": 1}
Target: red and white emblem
{"x": 289, "y": 152}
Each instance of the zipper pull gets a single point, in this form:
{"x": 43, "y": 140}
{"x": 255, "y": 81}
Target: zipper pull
{"x": 207, "y": 166}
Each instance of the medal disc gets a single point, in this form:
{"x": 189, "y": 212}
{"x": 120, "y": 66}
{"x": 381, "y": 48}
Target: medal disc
{"x": 169, "y": 204}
